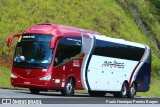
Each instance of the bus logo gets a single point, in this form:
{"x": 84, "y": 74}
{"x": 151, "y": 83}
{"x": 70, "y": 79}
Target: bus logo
{"x": 113, "y": 64}
{"x": 28, "y": 71}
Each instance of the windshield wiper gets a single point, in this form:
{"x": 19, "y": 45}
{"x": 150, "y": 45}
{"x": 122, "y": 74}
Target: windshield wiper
{"x": 29, "y": 65}
{"x": 40, "y": 65}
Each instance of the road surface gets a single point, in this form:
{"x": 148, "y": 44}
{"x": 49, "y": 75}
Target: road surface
{"x": 54, "y": 98}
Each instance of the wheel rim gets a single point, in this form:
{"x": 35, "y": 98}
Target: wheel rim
{"x": 132, "y": 90}
{"x": 69, "y": 87}
{"x": 124, "y": 90}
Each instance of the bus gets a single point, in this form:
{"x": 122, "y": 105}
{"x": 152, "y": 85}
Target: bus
{"x": 64, "y": 58}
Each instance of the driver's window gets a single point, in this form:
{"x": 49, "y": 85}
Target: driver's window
{"x": 68, "y": 47}
{"x": 18, "y": 56}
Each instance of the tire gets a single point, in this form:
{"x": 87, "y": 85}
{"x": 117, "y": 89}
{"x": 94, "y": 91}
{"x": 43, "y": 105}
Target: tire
{"x": 96, "y": 93}
{"x": 124, "y": 91}
{"x": 132, "y": 91}
{"x": 69, "y": 88}
{"x": 34, "y": 91}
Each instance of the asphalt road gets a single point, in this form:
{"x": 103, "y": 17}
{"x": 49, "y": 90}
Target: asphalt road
{"x": 55, "y": 98}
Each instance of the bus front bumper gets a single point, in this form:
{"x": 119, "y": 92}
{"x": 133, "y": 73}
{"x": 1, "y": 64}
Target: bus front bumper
{"x": 32, "y": 83}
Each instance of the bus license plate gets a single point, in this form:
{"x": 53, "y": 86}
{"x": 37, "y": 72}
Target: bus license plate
{"x": 27, "y": 82}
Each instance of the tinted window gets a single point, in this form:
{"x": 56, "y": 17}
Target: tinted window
{"x": 121, "y": 51}
{"x": 104, "y": 48}
{"x": 136, "y": 53}
{"x": 68, "y": 47}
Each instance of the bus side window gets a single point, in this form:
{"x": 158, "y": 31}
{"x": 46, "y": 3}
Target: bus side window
{"x": 68, "y": 47}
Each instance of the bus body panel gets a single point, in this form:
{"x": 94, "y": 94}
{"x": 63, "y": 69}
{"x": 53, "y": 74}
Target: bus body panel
{"x": 112, "y": 78}
{"x": 87, "y": 48}
{"x": 63, "y": 72}
{"x": 108, "y": 74}
{"x": 143, "y": 77}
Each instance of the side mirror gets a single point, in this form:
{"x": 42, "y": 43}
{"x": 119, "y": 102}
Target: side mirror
{"x": 11, "y": 38}
{"x": 53, "y": 41}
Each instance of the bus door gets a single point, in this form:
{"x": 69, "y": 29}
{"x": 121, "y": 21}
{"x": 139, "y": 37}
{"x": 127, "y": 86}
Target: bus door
{"x": 67, "y": 60}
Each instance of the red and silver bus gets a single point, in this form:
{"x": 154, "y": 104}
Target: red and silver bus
{"x": 64, "y": 58}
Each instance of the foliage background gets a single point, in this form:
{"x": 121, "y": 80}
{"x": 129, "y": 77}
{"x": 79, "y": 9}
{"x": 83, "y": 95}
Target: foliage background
{"x": 114, "y": 18}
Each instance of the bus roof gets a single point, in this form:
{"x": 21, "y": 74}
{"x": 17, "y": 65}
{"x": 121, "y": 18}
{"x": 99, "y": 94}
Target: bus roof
{"x": 56, "y": 29}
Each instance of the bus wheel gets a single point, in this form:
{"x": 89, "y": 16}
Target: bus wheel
{"x": 124, "y": 91}
{"x": 132, "y": 91}
{"x": 69, "y": 88}
{"x": 34, "y": 91}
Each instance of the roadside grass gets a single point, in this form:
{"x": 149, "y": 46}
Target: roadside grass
{"x": 5, "y": 77}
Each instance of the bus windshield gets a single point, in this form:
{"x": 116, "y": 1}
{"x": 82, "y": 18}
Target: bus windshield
{"x": 33, "y": 51}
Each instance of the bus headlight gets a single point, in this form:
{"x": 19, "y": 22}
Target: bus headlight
{"x": 13, "y": 76}
{"x": 48, "y": 77}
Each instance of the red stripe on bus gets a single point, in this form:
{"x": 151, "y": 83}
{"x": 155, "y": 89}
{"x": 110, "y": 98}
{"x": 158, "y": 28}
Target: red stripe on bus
{"x": 130, "y": 80}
